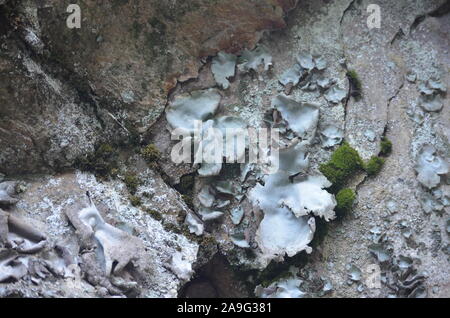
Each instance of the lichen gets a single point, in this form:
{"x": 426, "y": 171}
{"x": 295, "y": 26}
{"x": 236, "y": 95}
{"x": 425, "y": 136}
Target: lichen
{"x": 331, "y": 136}
{"x": 430, "y": 166}
{"x": 302, "y": 118}
{"x": 223, "y": 67}
{"x": 196, "y": 106}
{"x": 250, "y": 60}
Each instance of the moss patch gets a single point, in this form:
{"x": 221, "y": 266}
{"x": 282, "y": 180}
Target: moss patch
{"x": 386, "y": 146}
{"x": 345, "y": 199}
{"x": 135, "y": 200}
{"x": 132, "y": 182}
{"x": 151, "y": 155}
{"x": 355, "y": 83}
{"x": 374, "y": 165}
{"x": 344, "y": 163}
{"x": 154, "y": 214}
{"x": 102, "y": 162}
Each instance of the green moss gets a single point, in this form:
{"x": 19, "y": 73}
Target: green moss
{"x": 345, "y": 199}
{"x": 135, "y": 201}
{"x": 344, "y": 163}
{"x": 170, "y": 227}
{"x": 150, "y": 153}
{"x": 154, "y": 214}
{"x": 374, "y": 165}
{"x": 102, "y": 162}
{"x": 355, "y": 83}
{"x": 386, "y": 146}
{"x": 132, "y": 182}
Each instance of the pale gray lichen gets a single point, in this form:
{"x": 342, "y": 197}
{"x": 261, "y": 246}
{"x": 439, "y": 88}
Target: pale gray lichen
{"x": 331, "y": 136}
{"x": 205, "y": 196}
{"x": 236, "y": 215}
{"x": 223, "y": 67}
{"x": 381, "y": 254}
{"x": 225, "y": 187}
{"x": 354, "y": 273}
{"x": 194, "y": 224}
{"x": 251, "y": 60}
{"x": 19, "y": 235}
{"x": 8, "y": 192}
{"x": 429, "y": 203}
{"x": 180, "y": 267}
{"x": 209, "y": 214}
{"x": 335, "y": 94}
{"x": 293, "y": 159}
{"x": 431, "y": 103}
{"x": 213, "y": 146}
{"x": 430, "y": 166}
{"x": 306, "y": 61}
{"x": 291, "y": 75}
{"x": 431, "y": 91}
{"x": 118, "y": 248}
{"x": 239, "y": 240}
{"x": 302, "y": 118}
{"x": 324, "y": 82}
{"x": 284, "y": 288}
{"x": 287, "y": 227}
{"x": 196, "y": 106}
{"x": 11, "y": 266}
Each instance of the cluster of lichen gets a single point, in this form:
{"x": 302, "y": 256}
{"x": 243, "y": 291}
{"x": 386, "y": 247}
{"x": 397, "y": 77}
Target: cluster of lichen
{"x": 355, "y": 83}
{"x": 345, "y": 199}
{"x": 102, "y": 162}
{"x": 374, "y": 165}
{"x": 344, "y": 163}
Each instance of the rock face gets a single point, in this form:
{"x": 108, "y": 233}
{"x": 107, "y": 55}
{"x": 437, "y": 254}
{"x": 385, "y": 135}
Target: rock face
{"x": 105, "y": 99}
{"x": 114, "y": 72}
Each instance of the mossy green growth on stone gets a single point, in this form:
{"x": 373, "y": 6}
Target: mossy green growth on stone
{"x": 355, "y": 82}
{"x": 132, "y": 182}
{"x": 154, "y": 214}
{"x": 150, "y": 153}
{"x": 345, "y": 199}
{"x": 135, "y": 200}
{"x": 386, "y": 146}
{"x": 102, "y": 162}
{"x": 374, "y": 165}
{"x": 344, "y": 163}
